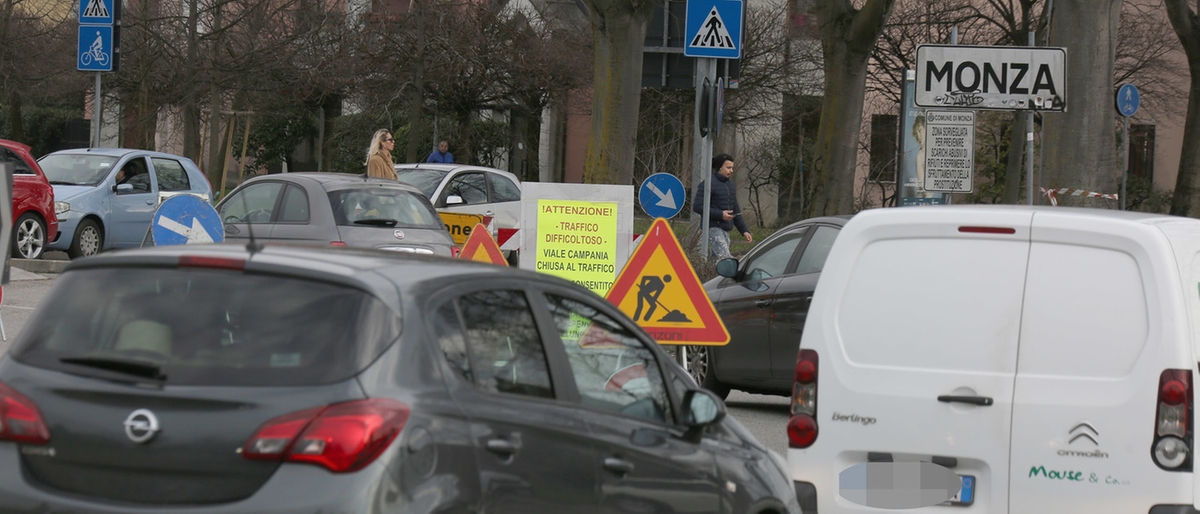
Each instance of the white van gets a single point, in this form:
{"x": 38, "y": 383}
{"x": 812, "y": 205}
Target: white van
{"x": 1044, "y": 355}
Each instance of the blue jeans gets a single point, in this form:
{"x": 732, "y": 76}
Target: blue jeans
{"x": 718, "y": 244}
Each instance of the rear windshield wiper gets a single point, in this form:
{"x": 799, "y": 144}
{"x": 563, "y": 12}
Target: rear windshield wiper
{"x": 377, "y": 222}
{"x": 126, "y": 366}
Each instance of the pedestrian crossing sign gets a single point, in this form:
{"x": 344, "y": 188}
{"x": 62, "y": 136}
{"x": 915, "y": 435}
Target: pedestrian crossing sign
{"x": 96, "y": 12}
{"x": 713, "y": 29}
{"x": 659, "y": 290}
{"x": 481, "y": 247}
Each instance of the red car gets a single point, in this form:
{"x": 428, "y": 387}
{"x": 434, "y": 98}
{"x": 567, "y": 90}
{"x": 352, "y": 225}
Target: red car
{"x": 33, "y": 202}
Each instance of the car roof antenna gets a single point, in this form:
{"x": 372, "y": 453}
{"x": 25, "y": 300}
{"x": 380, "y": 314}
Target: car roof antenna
{"x": 253, "y": 246}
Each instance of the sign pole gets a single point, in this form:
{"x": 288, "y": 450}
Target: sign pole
{"x": 1029, "y": 143}
{"x": 96, "y": 113}
{"x": 1124, "y": 158}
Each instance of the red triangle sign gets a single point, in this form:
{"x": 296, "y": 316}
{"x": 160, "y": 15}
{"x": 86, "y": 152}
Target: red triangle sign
{"x": 481, "y": 247}
{"x": 659, "y": 290}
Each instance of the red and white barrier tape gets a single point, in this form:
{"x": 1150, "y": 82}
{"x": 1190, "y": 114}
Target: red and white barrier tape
{"x": 1067, "y": 191}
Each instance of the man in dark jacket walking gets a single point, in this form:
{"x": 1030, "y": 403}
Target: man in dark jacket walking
{"x": 723, "y": 210}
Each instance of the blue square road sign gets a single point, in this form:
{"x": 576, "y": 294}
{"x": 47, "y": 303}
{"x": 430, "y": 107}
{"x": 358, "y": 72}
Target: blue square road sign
{"x": 96, "y": 12}
{"x": 95, "y": 48}
{"x": 713, "y": 29}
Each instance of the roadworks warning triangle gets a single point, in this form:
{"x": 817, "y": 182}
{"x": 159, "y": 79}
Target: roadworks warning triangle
{"x": 712, "y": 33}
{"x": 481, "y": 247}
{"x": 659, "y": 290}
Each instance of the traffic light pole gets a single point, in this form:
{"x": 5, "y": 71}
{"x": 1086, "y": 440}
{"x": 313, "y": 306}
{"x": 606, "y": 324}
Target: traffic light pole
{"x": 706, "y": 76}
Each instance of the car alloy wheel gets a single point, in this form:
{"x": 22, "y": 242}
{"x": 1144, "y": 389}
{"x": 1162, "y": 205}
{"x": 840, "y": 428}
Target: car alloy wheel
{"x": 30, "y": 237}
{"x": 89, "y": 241}
{"x": 694, "y": 359}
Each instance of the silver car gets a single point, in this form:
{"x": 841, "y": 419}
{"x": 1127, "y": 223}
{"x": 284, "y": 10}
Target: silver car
{"x": 334, "y": 209}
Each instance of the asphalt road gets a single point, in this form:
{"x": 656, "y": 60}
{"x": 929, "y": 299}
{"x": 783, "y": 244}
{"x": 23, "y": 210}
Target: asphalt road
{"x": 765, "y": 416}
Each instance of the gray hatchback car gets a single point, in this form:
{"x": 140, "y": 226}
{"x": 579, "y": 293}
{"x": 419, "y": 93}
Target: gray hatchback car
{"x": 335, "y": 209}
{"x": 232, "y": 379}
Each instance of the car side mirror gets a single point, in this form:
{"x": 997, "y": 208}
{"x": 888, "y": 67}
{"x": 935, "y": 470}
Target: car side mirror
{"x": 123, "y": 188}
{"x": 454, "y": 200}
{"x": 727, "y": 267}
{"x": 701, "y": 408}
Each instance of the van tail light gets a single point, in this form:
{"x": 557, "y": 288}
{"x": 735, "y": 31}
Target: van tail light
{"x": 20, "y": 419}
{"x": 343, "y": 437}
{"x": 1172, "y": 428}
{"x": 802, "y": 427}
{"x": 339, "y": 244}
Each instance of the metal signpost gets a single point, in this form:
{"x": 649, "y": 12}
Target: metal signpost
{"x": 186, "y": 219}
{"x": 99, "y": 39}
{"x": 713, "y": 31}
{"x": 1128, "y": 101}
{"x": 662, "y": 195}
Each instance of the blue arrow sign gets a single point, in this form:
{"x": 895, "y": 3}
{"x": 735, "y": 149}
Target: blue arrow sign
{"x": 186, "y": 219}
{"x": 96, "y": 12}
{"x": 662, "y": 195}
{"x": 95, "y": 48}
{"x": 1128, "y": 100}
{"x": 713, "y": 29}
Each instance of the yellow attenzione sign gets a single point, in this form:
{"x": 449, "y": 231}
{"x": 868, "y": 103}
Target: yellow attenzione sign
{"x": 578, "y": 241}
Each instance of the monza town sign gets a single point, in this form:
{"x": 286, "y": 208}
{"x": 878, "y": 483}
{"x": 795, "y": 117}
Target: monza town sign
{"x": 991, "y": 77}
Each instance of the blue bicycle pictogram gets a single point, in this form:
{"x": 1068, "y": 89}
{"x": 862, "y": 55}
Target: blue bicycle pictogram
{"x": 95, "y": 53}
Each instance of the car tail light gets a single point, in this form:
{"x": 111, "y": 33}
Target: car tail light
{"x": 1172, "y": 430}
{"x": 20, "y": 420}
{"x": 343, "y": 437}
{"x": 195, "y": 261}
{"x": 802, "y": 428}
{"x": 340, "y": 244}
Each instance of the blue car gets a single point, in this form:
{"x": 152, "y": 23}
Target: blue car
{"x": 106, "y": 197}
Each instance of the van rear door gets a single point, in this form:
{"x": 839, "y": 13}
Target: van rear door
{"x": 1103, "y": 319}
{"x": 918, "y": 358}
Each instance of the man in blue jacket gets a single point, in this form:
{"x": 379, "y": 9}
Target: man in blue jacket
{"x": 441, "y": 155}
{"x": 723, "y": 210}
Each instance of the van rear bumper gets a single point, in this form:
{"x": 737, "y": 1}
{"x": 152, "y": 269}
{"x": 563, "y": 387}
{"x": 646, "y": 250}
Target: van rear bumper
{"x": 1162, "y": 509}
{"x": 806, "y": 493}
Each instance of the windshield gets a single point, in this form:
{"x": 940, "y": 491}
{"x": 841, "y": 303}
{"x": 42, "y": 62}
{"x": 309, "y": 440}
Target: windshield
{"x": 193, "y": 326}
{"x": 364, "y": 205}
{"x": 74, "y": 169}
{"x": 425, "y": 180}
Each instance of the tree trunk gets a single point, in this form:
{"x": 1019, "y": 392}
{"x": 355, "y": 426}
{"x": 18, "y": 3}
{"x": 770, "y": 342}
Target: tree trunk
{"x": 15, "y": 120}
{"x": 618, "y": 35}
{"x": 847, "y": 37}
{"x": 414, "y": 151}
{"x": 1186, "y": 200}
{"x": 1080, "y": 145}
{"x": 1016, "y": 151}
{"x": 191, "y": 108}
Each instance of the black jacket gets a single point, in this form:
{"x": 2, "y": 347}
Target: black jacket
{"x": 724, "y": 198}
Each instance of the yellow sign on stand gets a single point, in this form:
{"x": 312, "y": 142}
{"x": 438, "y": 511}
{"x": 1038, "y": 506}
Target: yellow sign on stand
{"x": 659, "y": 290}
{"x": 461, "y": 224}
{"x": 578, "y": 241}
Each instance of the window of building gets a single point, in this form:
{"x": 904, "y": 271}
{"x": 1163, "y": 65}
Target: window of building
{"x": 883, "y": 147}
{"x": 1141, "y": 151}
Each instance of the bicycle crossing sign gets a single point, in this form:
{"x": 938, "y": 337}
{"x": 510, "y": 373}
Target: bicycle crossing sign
{"x": 95, "y": 48}
{"x": 713, "y": 29}
{"x": 96, "y": 12}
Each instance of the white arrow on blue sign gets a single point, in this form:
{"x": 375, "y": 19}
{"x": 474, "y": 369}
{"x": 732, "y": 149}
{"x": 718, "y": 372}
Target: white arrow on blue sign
{"x": 95, "y": 48}
{"x": 713, "y": 29}
{"x": 1128, "y": 100}
{"x": 662, "y": 195}
{"x": 186, "y": 219}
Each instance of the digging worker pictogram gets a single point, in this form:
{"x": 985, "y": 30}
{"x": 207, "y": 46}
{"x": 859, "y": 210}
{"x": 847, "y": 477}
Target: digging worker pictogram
{"x": 649, "y": 289}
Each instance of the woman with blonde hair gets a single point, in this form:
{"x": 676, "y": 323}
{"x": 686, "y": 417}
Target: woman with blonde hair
{"x": 379, "y": 155}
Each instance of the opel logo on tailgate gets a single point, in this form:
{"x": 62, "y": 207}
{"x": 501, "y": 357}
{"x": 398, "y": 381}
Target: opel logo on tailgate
{"x": 141, "y": 426}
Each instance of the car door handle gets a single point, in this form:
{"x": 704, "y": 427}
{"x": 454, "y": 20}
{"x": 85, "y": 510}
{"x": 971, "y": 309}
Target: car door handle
{"x": 982, "y": 401}
{"x": 618, "y": 466}
{"x": 149, "y": 202}
{"x": 501, "y": 447}
{"x": 762, "y": 303}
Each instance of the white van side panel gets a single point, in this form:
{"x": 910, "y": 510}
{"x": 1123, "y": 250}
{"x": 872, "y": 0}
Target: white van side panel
{"x": 1102, "y": 319}
{"x": 909, "y": 308}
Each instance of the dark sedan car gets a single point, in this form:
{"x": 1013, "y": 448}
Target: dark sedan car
{"x": 763, "y": 300}
{"x": 220, "y": 379}
{"x": 335, "y": 209}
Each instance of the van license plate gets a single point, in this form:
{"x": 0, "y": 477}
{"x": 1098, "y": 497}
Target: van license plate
{"x": 966, "y": 495}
